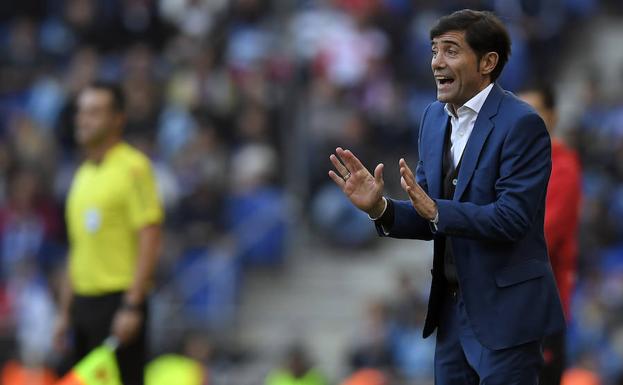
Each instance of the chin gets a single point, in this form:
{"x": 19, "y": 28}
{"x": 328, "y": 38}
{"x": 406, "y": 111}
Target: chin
{"x": 443, "y": 98}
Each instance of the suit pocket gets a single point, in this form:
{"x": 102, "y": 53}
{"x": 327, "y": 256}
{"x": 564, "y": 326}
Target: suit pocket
{"x": 526, "y": 271}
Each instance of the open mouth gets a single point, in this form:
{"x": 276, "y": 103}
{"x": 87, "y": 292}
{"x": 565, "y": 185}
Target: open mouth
{"x": 444, "y": 81}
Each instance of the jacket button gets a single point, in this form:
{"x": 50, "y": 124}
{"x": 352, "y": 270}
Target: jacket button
{"x": 454, "y": 182}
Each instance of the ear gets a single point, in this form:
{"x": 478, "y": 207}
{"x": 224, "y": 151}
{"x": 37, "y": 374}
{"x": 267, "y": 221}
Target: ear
{"x": 488, "y": 62}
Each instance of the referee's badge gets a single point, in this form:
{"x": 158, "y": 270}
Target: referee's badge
{"x": 92, "y": 220}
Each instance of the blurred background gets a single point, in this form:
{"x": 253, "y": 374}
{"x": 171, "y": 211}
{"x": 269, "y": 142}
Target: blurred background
{"x": 239, "y": 103}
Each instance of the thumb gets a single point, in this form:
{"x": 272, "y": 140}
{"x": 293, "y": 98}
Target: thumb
{"x": 378, "y": 173}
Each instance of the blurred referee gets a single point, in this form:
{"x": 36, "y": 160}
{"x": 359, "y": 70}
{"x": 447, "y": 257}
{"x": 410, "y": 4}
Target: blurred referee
{"x": 114, "y": 221}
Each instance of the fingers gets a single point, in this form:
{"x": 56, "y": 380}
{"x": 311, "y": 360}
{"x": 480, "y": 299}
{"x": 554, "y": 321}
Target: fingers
{"x": 409, "y": 184}
{"x": 350, "y": 160}
{"x": 341, "y": 169}
{"x": 412, "y": 191}
{"x": 378, "y": 173}
{"x": 406, "y": 172}
{"x": 346, "y": 164}
{"x": 337, "y": 179}
{"x": 414, "y": 197}
{"x": 409, "y": 190}
{"x": 126, "y": 326}
{"x": 411, "y": 194}
{"x": 415, "y": 194}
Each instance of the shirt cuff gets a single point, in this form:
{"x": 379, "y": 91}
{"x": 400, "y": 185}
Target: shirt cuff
{"x": 386, "y": 221}
{"x": 434, "y": 222}
{"x": 382, "y": 212}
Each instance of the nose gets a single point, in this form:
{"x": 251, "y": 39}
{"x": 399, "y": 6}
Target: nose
{"x": 437, "y": 62}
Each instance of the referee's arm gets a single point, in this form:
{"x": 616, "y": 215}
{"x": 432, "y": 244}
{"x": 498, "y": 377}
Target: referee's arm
{"x": 130, "y": 317}
{"x": 146, "y": 215}
{"x": 150, "y": 240}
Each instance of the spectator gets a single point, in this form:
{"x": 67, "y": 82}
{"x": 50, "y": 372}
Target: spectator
{"x": 372, "y": 344}
{"x": 29, "y": 225}
{"x": 562, "y": 213}
{"x": 256, "y": 209}
{"x": 296, "y": 371}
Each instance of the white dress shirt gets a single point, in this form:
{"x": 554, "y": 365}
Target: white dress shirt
{"x": 463, "y": 122}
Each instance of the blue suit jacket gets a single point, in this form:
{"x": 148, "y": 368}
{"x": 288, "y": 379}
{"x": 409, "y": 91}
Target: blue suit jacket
{"x": 494, "y": 221}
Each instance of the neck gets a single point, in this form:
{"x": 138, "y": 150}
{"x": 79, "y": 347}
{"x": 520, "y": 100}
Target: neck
{"x": 96, "y": 153}
{"x": 482, "y": 86}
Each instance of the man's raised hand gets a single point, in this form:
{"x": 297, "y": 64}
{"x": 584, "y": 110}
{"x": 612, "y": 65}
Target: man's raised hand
{"x": 423, "y": 204}
{"x": 360, "y": 187}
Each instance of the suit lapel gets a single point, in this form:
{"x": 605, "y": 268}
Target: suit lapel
{"x": 434, "y": 171}
{"x": 482, "y": 128}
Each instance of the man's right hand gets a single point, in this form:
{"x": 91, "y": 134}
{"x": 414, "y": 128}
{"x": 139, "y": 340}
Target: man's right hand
{"x": 364, "y": 190}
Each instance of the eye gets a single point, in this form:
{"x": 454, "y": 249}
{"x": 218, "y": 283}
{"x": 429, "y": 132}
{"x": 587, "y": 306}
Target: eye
{"x": 452, "y": 52}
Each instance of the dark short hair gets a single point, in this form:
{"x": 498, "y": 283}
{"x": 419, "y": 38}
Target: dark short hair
{"x": 484, "y": 32}
{"x": 117, "y": 96}
{"x": 545, "y": 91}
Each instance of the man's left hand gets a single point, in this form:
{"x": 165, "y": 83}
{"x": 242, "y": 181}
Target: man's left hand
{"x": 423, "y": 204}
{"x": 127, "y": 324}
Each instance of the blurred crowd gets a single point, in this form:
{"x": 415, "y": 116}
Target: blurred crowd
{"x": 238, "y": 103}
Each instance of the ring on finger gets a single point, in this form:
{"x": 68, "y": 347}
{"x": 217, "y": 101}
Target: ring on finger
{"x": 346, "y": 176}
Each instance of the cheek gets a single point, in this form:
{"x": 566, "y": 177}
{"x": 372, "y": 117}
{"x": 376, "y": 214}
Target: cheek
{"x": 95, "y": 122}
{"x": 85, "y": 122}
{"x": 467, "y": 77}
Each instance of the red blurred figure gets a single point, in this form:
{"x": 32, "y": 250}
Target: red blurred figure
{"x": 367, "y": 377}
{"x": 562, "y": 210}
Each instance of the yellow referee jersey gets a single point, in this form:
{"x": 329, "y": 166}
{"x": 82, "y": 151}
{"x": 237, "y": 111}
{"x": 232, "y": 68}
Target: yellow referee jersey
{"x": 107, "y": 204}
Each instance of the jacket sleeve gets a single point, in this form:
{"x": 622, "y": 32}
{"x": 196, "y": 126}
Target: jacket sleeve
{"x": 525, "y": 165}
{"x": 406, "y": 223}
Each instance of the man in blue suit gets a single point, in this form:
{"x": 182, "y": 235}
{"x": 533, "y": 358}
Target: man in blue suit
{"x": 479, "y": 193}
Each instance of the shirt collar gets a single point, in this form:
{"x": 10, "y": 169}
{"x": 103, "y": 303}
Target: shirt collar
{"x": 474, "y": 104}
{"x": 110, "y": 153}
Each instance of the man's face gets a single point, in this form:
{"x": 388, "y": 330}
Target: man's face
{"x": 95, "y": 118}
{"x": 456, "y": 69}
{"x": 535, "y": 99}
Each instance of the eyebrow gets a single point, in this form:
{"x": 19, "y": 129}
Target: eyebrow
{"x": 451, "y": 42}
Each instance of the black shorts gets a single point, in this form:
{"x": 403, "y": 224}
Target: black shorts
{"x": 91, "y": 322}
